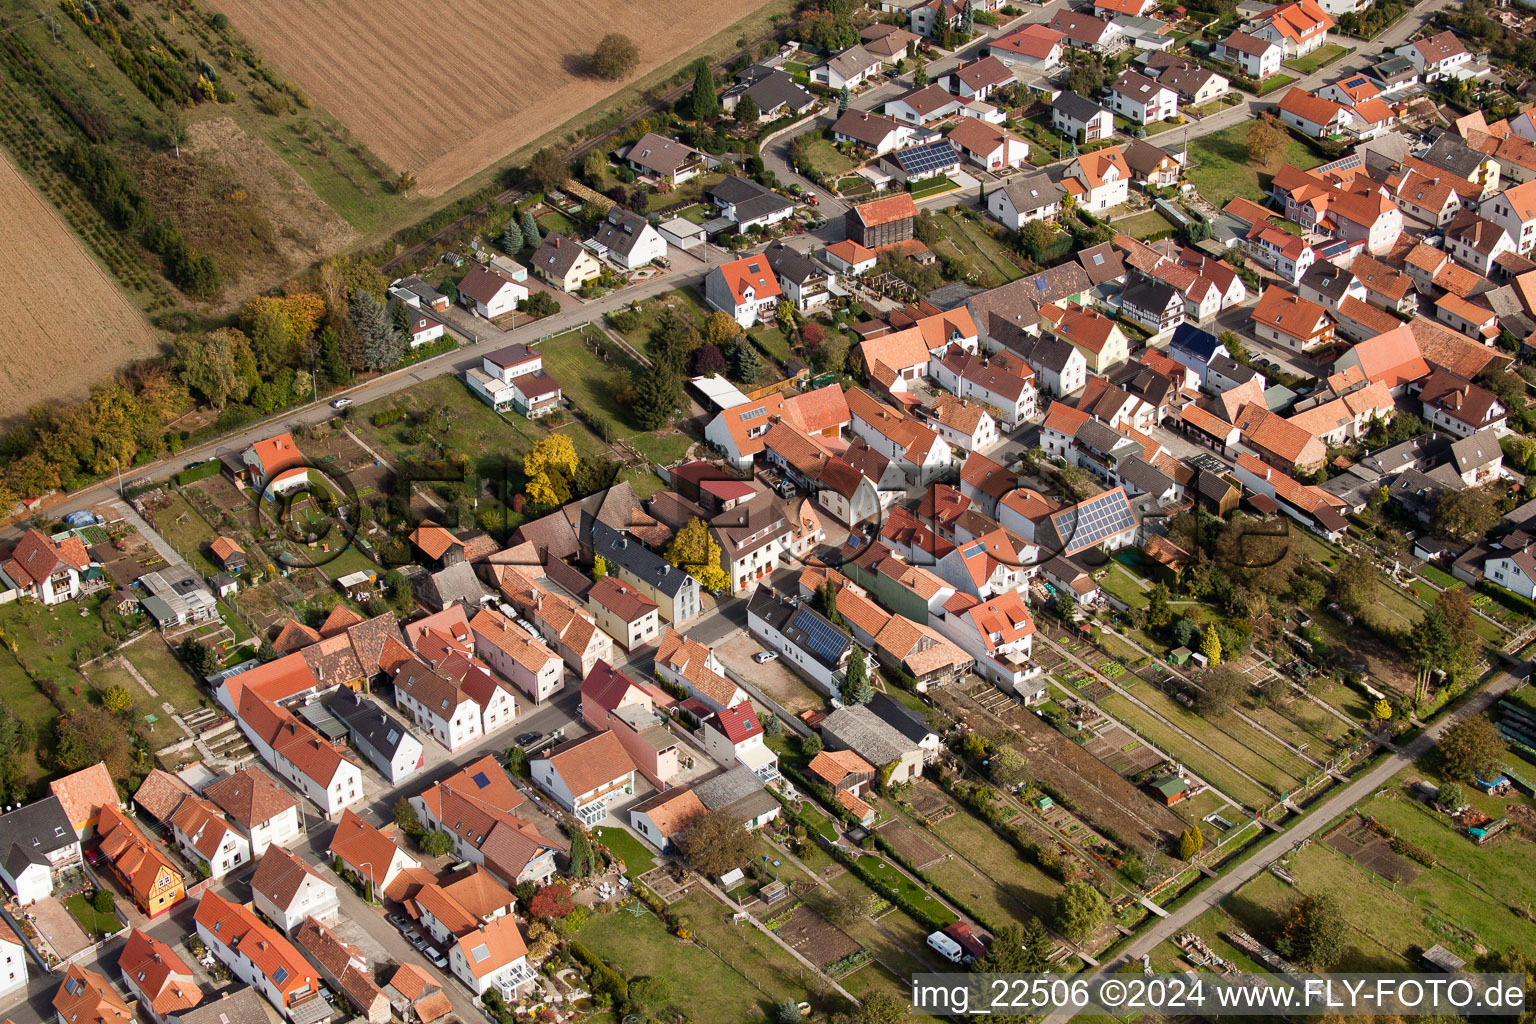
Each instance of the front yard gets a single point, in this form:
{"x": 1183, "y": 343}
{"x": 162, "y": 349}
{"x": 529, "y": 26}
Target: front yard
{"x": 1319, "y": 58}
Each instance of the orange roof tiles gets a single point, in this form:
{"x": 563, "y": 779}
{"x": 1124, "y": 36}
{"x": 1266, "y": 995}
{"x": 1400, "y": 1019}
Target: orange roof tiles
{"x": 591, "y": 762}
{"x": 884, "y": 211}
{"x": 238, "y": 928}
{"x": 1290, "y": 314}
{"x": 750, "y": 272}
{"x": 84, "y": 793}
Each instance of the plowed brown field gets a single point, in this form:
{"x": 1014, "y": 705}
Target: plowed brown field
{"x": 66, "y": 325}
{"x": 444, "y": 88}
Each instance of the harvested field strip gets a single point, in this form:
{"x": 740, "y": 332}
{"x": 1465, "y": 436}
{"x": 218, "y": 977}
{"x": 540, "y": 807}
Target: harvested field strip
{"x": 1003, "y": 878}
{"x": 349, "y": 57}
{"x": 90, "y": 329}
{"x": 1196, "y": 757}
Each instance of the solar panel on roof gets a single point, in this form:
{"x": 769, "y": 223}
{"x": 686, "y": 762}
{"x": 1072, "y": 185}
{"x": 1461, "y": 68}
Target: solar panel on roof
{"x": 480, "y": 779}
{"x": 754, "y": 414}
{"x": 1093, "y": 521}
{"x": 819, "y": 635}
{"x": 974, "y": 550}
{"x": 928, "y": 158}
{"x": 280, "y": 975}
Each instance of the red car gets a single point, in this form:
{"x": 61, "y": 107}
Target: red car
{"x": 812, "y": 199}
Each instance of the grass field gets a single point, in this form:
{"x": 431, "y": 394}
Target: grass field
{"x": 1318, "y": 58}
{"x": 622, "y": 843}
{"x": 1197, "y": 757}
{"x": 995, "y": 879}
{"x": 929, "y": 187}
{"x": 591, "y": 385}
{"x": 384, "y": 92}
{"x": 823, "y": 158}
{"x": 1144, "y": 225}
{"x": 93, "y": 334}
{"x": 704, "y": 986}
{"x": 1220, "y": 168}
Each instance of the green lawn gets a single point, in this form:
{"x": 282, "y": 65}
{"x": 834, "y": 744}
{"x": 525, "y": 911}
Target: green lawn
{"x": 1275, "y": 82}
{"x": 823, "y": 158}
{"x": 1220, "y": 168}
{"x": 878, "y": 867}
{"x": 592, "y": 385}
{"x": 773, "y": 341}
{"x": 704, "y": 986}
{"x": 1001, "y": 877}
{"x": 1144, "y": 225}
{"x": 1318, "y": 58}
{"x": 557, "y": 222}
{"x": 622, "y": 844}
{"x": 170, "y": 679}
{"x": 932, "y": 187}
{"x": 187, "y": 532}
{"x": 93, "y": 921}
{"x": 698, "y": 213}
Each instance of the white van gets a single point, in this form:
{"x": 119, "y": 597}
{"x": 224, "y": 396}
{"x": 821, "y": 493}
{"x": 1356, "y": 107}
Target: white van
{"x": 946, "y": 947}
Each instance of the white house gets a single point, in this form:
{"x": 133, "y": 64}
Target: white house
{"x": 287, "y": 891}
{"x": 1142, "y": 99}
{"x": 627, "y": 239}
{"x": 735, "y": 736}
{"x": 489, "y": 292}
{"x": 1514, "y": 210}
{"x": 438, "y": 705}
{"x": 998, "y": 633}
{"x": 988, "y": 145}
{"x": 39, "y": 843}
{"x": 13, "y": 964}
{"x": 259, "y": 956}
{"x": 847, "y": 70}
{"x": 1300, "y": 26}
{"x": 1258, "y": 58}
{"x": 1080, "y": 118}
{"x": 206, "y": 837}
{"x": 1314, "y": 116}
{"x": 1437, "y": 56}
{"x": 1514, "y": 570}
{"x": 746, "y": 289}
{"x": 261, "y": 809}
{"x": 587, "y": 776}
{"x": 806, "y": 639}
{"x": 1034, "y": 47}
{"x": 493, "y": 956}
{"x": 1100, "y": 180}
{"x": 375, "y": 858}
{"x": 1025, "y": 198}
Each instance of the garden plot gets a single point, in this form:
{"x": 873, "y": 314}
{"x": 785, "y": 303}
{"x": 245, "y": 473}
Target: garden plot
{"x": 987, "y": 872}
{"x": 1105, "y": 799}
{"x": 1195, "y": 756}
{"x": 1355, "y": 840}
{"x": 817, "y": 939}
{"x": 1121, "y": 751}
{"x": 910, "y": 844}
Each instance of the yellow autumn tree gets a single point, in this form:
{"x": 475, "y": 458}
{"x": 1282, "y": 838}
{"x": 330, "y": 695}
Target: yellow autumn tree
{"x": 1210, "y": 646}
{"x": 299, "y": 314}
{"x": 550, "y": 467}
{"x": 1382, "y": 710}
{"x": 697, "y": 553}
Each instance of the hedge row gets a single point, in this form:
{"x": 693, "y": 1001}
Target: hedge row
{"x": 201, "y": 471}
{"x": 604, "y": 978}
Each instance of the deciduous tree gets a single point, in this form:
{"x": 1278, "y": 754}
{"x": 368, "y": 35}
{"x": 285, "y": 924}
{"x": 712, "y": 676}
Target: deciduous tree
{"x": 1008, "y": 767}
{"x": 436, "y": 842}
{"x": 552, "y": 902}
{"x": 1220, "y": 690}
{"x": 616, "y": 56}
{"x": 549, "y": 169}
{"x": 550, "y": 467}
{"x": 715, "y": 842}
{"x": 1079, "y": 911}
{"x": 1472, "y": 748}
{"x": 1267, "y": 139}
{"x": 1465, "y": 515}
{"x": 1313, "y": 932}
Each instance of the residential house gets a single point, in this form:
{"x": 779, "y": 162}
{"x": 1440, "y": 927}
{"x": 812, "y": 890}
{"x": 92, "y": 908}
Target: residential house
{"x": 261, "y": 957}
{"x": 917, "y": 449}
{"x": 623, "y": 612}
{"x": 1257, "y": 58}
{"x": 1328, "y": 284}
{"x": 274, "y": 465}
{"x": 998, "y": 633}
{"x": 848, "y": 69}
{"x": 748, "y": 204}
{"x": 735, "y": 736}
{"x": 1470, "y": 318}
{"x": 374, "y": 857}
{"x": 155, "y": 975}
{"x": 564, "y": 263}
{"x": 586, "y": 776}
{"x": 1033, "y": 47}
{"x": 83, "y": 794}
{"x": 628, "y": 239}
{"x": 874, "y": 133}
{"x": 519, "y": 656}
{"x": 988, "y": 145}
{"x": 345, "y": 969}
{"x": 1099, "y": 180}
{"x": 384, "y": 740}
{"x": 977, "y": 79}
{"x": 988, "y": 381}
{"x": 806, "y": 281}
{"x": 1300, "y": 26}
{"x": 1277, "y": 441}
{"x": 1152, "y": 166}
{"x": 747, "y": 289}
{"x": 692, "y": 665}
{"x": 1080, "y": 118}
{"x": 1514, "y": 210}
{"x": 1477, "y": 242}
{"x": 1154, "y": 304}
{"x": 741, "y": 794}
{"x": 477, "y": 807}
{"x": 147, "y": 874}
{"x": 1291, "y": 321}
{"x": 1085, "y": 31}
{"x": 490, "y": 293}
{"x": 1101, "y": 341}
{"x": 1456, "y": 405}
{"x": 1141, "y": 99}
{"x": 1437, "y": 56}
{"x": 438, "y": 705}
{"x": 208, "y": 839}
{"x": 42, "y": 843}
{"x": 775, "y": 92}
{"x": 1025, "y": 198}
{"x": 804, "y": 637}
{"x": 288, "y": 891}
{"x": 264, "y": 812}
{"x": 663, "y": 159}
{"x": 1513, "y": 568}
{"x": 849, "y": 258}
{"x": 675, "y": 592}
{"x": 85, "y": 997}
{"x": 665, "y": 817}
{"x": 1196, "y": 85}
{"x": 485, "y": 946}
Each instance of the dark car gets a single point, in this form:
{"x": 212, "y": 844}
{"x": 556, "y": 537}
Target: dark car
{"x": 529, "y": 737}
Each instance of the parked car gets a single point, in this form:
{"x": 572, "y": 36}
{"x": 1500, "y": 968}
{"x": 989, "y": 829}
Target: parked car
{"x": 662, "y": 262}
{"x": 811, "y": 198}
{"x": 413, "y": 936}
{"x": 764, "y": 657}
{"x": 398, "y": 920}
{"x": 421, "y": 943}
{"x": 341, "y": 403}
{"x": 529, "y": 737}
{"x": 438, "y": 960}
